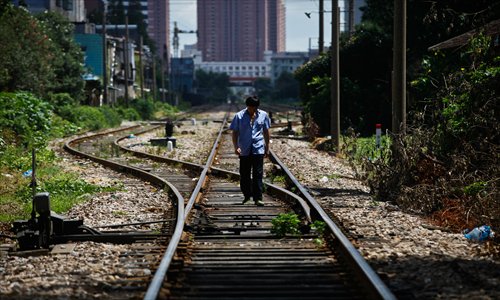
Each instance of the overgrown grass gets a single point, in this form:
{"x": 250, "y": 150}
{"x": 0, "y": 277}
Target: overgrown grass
{"x": 65, "y": 190}
{"x": 28, "y": 122}
{"x": 360, "y": 149}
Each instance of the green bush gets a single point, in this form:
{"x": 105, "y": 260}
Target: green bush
{"x": 85, "y": 117}
{"x": 61, "y": 100}
{"x": 111, "y": 116}
{"x": 164, "y": 110}
{"x": 129, "y": 114}
{"x": 62, "y": 127}
{"x": 19, "y": 159}
{"x": 145, "y": 108}
{"x": 24, "y": 118}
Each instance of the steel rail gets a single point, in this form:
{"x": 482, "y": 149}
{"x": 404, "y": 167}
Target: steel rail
{"x": 377, "y": 289}
{"x": 171, "y": 189}
{"x": 157, "y": 281}
{"x": 172, "y": 246}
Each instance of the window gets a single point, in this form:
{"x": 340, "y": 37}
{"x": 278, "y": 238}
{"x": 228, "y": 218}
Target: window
{"x": 68, "y": 4}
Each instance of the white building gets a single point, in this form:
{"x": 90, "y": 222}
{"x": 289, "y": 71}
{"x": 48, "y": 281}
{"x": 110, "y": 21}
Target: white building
{"x": 246, "y": 72}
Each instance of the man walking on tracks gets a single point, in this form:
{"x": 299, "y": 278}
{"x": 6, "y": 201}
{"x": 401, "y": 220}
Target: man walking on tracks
{"x": 250, "y": 128}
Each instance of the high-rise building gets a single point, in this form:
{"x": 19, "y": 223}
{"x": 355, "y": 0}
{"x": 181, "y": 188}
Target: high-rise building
{"x": 159, "y": 27}
{"x": 156, "y": 15}
{"x": 74, "y": 10}
{"x": 240, "y": 30}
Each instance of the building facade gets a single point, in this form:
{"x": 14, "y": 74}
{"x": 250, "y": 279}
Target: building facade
{"x": 159, "y": 26}
{"x": 74, "y": 10}
{"x": 240, "y": 30}
{"x": 286, "y": 62}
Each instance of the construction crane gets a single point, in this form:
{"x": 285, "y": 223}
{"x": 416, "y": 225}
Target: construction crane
{"x": 176, "y": 38}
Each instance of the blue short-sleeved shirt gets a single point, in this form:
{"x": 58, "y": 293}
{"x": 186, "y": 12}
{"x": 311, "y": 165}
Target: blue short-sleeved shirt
{"x": 251, "y": 137}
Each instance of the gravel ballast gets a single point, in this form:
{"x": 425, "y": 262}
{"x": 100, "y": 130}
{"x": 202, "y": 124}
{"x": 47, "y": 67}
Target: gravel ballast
{"x": 415, "y": 260}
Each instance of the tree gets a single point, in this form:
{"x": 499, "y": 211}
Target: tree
{"x": 214, "y": 86}
{"x": 67, "y": 63}
{"x": 286, "y": 87}
{"x": 116, "y": 12}
{"x": 263, "y": 87}
{"x": 27, "y": 55}
{"x": 366, "y": 57}
{"x": 135, "y": 16}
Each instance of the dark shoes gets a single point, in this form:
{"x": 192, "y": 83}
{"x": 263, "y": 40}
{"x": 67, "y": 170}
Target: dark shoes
{"x": 257, "y": 202}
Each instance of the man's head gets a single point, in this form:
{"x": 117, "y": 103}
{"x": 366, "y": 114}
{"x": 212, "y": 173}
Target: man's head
{"x": 252, "y": 101}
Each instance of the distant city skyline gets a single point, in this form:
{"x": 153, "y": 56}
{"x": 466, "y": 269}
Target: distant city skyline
{"x": 301, "y": 31}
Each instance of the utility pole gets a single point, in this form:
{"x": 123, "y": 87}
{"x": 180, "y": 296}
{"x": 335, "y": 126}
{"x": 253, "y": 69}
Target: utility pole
{"x": 399, "y": 68}
{"x": 141, "y": 70}
{"x": 175, "y": 42}
{"x": 104, "y": 57}
{"x": 155, "y": 96}
{"x": 351, "y": 17}
{"x": 125, "y": 52}
{"x": 162, "y": 82}
{"x": 321, "y": 23}
{"x": 335, "y": 83}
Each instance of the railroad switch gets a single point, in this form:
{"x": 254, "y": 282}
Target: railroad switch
{"x": 169, "y": 131}
{"x": 247, "y": 217}
{"x": 37, "y": 232}
{"x": 202, "y": 224}
{"x": 46, "y": 228}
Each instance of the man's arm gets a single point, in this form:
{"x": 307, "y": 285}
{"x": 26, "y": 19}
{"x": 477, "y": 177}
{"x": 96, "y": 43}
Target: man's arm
{"x": 237, "y": 150}
{"x": 266, "y": 140}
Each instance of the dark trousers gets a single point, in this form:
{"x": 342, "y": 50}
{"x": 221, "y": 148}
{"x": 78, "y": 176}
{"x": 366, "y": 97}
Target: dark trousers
{"x": 253, "y": 165}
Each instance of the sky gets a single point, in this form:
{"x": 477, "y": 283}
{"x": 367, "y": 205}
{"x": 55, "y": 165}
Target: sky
{"x": 300, "y": 30}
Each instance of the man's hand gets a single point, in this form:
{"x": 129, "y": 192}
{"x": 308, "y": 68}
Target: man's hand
{"x": 237, "y": 151}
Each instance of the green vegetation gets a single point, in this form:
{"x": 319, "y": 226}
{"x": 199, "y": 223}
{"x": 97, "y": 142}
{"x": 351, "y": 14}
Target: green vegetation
{"x": 289, "y": 224}
{"x": 286, "y": 223}
{"x": 278, "y": 178}
{"x": 446, "y": 165}
{"x": 41, "y": 96}
{"x": 65, "y": 188}
{"x": 214, "y": 87}
{"x": 319, "y": 227}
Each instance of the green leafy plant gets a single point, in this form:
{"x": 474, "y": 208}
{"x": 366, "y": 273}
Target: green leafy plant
{"x": 475, "y": 188}
{"x": 285, "y": 223}
{"x": 278, "y": 178}
{"x": 319, "y": 227}
{"x": 24, "y": 118}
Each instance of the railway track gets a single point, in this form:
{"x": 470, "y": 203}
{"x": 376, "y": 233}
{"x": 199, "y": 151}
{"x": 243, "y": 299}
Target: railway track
{"x": 216, "y": 248}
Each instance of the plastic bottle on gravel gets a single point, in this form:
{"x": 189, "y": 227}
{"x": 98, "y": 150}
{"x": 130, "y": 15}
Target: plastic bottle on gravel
{"x": 479, "y": 234}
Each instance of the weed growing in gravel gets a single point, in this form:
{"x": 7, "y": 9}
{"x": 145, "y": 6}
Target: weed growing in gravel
{"x": 319, "y": 227}
{"x": 333, "y": 176}
{"x": 287, "y": 223}
{"x": 119, "y": 213}
{"x": 278, "y": 178}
